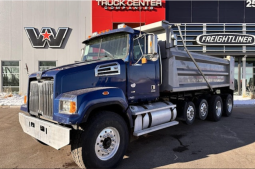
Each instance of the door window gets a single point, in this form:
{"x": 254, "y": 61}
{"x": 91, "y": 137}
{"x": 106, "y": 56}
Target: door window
{"x": 138, "y": 50}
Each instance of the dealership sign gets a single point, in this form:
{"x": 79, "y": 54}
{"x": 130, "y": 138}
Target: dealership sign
{"x": 226, "y": 39}
{"x": 129, "y": 4}
{"x": 38, "y": 40}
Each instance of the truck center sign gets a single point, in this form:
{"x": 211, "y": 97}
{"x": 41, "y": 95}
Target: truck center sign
{"x": 130, "y": 4}
{"x": 226, "y": 39}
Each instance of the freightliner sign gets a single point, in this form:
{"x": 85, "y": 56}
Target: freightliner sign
{"x": 226, "y": 39}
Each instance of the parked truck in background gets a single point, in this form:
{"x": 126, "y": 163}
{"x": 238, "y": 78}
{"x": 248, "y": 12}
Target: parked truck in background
{"x": 129, "y": 83}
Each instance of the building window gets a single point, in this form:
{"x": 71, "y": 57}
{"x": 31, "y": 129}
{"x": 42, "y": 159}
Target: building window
{"x": 10, "y": 76}
{"x": 44, "y": 65}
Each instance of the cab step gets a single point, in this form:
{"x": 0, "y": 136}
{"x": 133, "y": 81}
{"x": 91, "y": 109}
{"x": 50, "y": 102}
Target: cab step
{"x": 155, "y": 128}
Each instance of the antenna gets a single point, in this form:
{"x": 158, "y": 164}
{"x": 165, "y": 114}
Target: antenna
{"x": 140, "y": 20}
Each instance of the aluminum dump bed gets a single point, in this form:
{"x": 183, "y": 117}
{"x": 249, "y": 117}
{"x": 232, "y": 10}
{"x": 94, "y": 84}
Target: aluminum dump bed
{"x": 179, "y": 72}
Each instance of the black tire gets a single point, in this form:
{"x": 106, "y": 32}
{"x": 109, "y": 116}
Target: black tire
{"x": 227, "y": 105}
{"x": 85, "y": 142}
{"x": 215, "y": 108}
{"x": 189, "y": 113}
{"x": 202, "y": 109}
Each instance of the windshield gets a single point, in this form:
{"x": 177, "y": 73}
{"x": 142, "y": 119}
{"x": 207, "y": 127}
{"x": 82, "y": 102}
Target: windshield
{"x": 108, "y": 47}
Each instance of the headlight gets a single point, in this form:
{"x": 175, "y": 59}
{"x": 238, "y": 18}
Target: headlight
{"x": 67, "y": 104}
{"x": 67, "y": 107}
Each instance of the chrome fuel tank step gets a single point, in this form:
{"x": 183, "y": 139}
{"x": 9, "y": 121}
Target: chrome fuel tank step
{"x": 153, "y": 116}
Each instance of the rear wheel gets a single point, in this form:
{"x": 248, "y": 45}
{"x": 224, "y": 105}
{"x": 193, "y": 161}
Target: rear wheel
{"x": 189, "y": 113}
{"x": 227, "y": 105}
{"x": 202, "y": 109}
{"x": 102, "y": 143}
{"x": 215, "y": 108}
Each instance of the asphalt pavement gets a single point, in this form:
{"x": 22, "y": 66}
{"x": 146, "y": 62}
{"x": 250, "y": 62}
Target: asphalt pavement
{"x": 229, "y": 143}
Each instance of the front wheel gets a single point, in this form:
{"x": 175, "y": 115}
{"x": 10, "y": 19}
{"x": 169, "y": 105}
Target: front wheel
{"x": 102, "y": 143}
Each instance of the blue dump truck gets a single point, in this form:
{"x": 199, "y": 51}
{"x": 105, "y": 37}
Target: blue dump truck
{"x": 129, "y": 82}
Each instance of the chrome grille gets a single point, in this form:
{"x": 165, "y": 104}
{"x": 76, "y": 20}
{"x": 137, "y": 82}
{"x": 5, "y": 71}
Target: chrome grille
{"x": 41, "y": 98}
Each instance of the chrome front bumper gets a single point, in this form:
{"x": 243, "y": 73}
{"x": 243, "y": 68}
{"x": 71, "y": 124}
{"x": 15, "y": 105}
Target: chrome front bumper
{"x": 49, "y": 133}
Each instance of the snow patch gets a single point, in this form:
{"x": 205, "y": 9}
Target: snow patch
{"x": 11, "y": 99}
{"x": 239, "y": 100}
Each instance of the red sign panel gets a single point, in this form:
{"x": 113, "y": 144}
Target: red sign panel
{"x": 106, "y": 14}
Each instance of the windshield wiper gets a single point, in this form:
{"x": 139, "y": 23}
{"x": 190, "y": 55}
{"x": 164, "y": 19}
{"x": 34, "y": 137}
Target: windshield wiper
{"x": 91, "y": 60}
{"x": 108, "y": 53}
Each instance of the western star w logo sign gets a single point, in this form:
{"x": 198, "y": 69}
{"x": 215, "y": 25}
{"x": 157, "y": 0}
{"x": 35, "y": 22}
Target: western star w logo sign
{"x": 226, "y": 39}
{"x": 38, "y": 40}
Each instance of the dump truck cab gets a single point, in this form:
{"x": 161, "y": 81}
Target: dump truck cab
{"x": 134, "y": 48}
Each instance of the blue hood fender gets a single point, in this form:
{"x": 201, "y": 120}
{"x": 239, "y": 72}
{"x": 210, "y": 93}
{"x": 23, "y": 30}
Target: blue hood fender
{"x": 90, "y": 98}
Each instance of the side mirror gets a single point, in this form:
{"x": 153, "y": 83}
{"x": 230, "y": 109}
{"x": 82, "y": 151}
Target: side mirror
{"x": 154, "y": 57}
{"x": 152, "y": 44}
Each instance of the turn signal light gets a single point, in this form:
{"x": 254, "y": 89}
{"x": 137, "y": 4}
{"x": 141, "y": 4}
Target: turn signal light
{"x": 72, "y": 107}
{"x": 89, "y": 37}
{"x": 25, "y": 99}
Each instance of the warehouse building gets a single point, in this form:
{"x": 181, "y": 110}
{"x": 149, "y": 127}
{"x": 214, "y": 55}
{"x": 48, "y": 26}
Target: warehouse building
{"x": 39, "y": 35}
{"x": 44, "y": 34}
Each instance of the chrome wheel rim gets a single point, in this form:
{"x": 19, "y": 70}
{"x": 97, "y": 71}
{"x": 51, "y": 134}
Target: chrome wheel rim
{"x": 229, "y": 105}
{"x": 190, "y": 113}
{"x": 203, "y": 109}
{"x": 218, "y": 108}
{"x": 107, "y": 143}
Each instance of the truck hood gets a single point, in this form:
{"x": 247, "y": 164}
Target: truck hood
{"x": 82, "y": 75}
{"x": 53, "y": 71}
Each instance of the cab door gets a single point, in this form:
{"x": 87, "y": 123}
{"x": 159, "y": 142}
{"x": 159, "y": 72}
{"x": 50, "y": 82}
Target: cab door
{"x": 142, "y": 79}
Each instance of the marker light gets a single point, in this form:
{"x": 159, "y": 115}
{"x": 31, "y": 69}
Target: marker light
{"x": 107, "y": 30}
{"x": 144, "y": 60}
{"x": 105, "y": 93}
{"x": 25, "y": 99}
{"x": 94, "y": 34}
{"x": 89, "y": 37}
{"x": 121, "y": 26}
